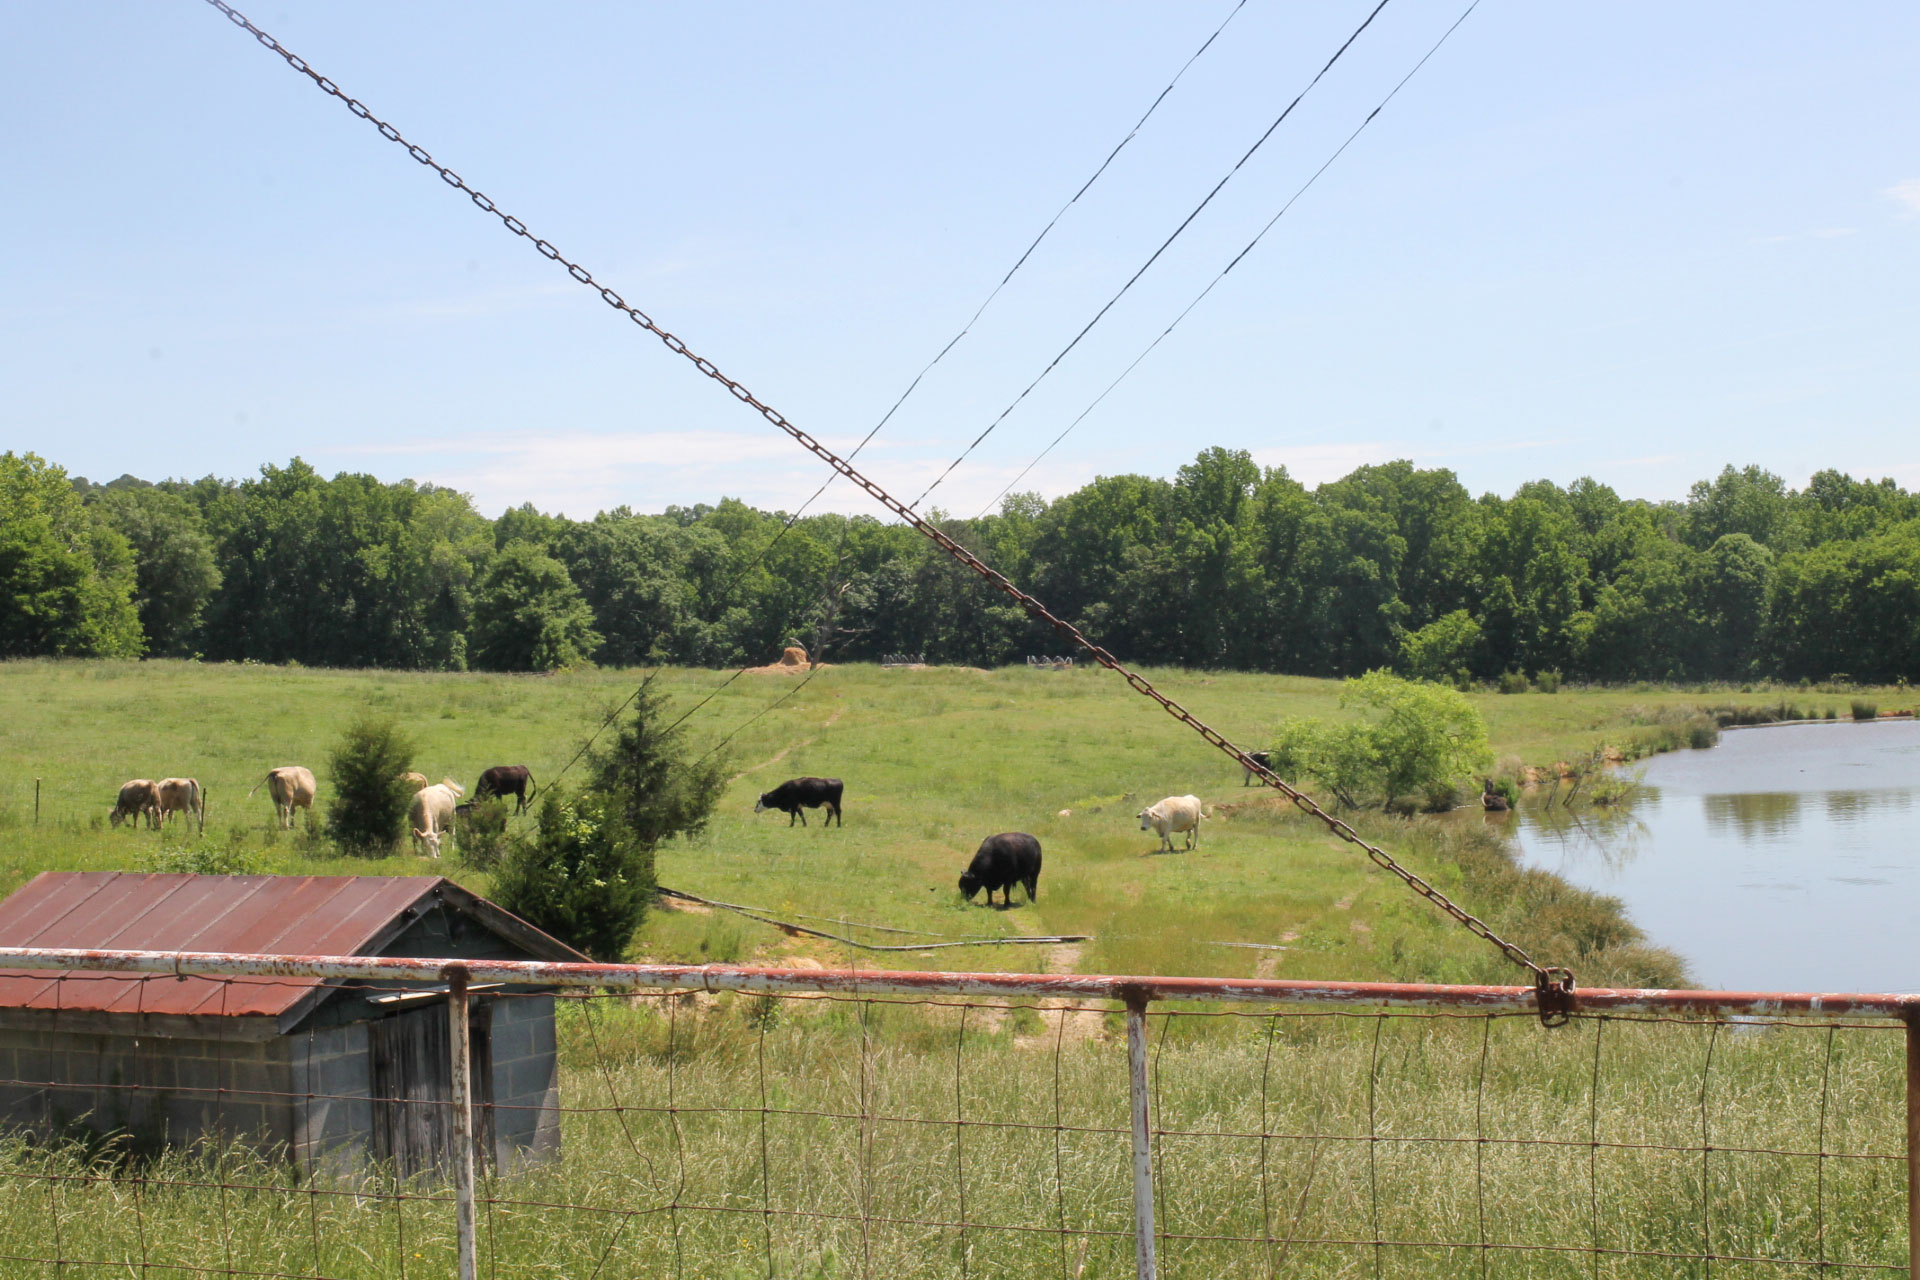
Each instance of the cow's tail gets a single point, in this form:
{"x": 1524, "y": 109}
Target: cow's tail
{"x": 263, "y": 782}
{"x": 531, "y": 788}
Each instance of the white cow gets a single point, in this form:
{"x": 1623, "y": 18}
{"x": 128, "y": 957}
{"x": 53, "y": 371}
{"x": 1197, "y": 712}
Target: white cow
{"x": 1175, "y": 813}
{"x": 430, "y": 816}
{"x": 291, "y": 787}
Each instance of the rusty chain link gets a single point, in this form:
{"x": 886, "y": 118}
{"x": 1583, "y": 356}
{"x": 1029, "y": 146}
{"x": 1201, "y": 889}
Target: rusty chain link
{"x": 1554, "y": 984}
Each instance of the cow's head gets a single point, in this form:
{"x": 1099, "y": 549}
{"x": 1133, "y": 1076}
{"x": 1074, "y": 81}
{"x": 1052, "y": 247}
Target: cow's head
{"x": 763, "y": 806}
{"x": 431, "y": 839}
{"x": 969, "y": 885}
{"x": 116, "y": 816}
{"x": 1146, "y": 819}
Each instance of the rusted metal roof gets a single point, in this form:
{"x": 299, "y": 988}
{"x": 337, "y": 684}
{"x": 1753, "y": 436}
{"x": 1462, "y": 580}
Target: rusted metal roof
{"x": 275, "y": 915}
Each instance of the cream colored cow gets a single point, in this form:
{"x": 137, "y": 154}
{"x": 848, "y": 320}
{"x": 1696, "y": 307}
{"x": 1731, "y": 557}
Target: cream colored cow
{"x": 430, "y": 816}
{"x": 291, "y": 787}
{"x": 180, "y": 795}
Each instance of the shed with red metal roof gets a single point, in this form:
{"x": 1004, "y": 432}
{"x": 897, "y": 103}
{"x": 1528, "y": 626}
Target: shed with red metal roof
{"x": 319, "y": 1071}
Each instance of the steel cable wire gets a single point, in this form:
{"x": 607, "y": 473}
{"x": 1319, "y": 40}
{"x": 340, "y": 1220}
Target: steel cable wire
{"x": 1178, "y": 231}
{"x": 1553, "y": 983}
{"x": 1232, "y": 263}
{"x": 1021, "y": 261}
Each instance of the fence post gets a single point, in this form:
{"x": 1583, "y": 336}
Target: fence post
{"x": 36, "y": 802}
{"x": 462, "y": 1050}
{"x": 1913, "y": 1146}
{"x": 1145, "y": 1265}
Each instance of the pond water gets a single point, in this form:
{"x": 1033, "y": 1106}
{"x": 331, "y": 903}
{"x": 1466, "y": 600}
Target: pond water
{"x": 1786, "y": 858}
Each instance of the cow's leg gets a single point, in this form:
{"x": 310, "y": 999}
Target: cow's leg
{"x": 833, "y": 811}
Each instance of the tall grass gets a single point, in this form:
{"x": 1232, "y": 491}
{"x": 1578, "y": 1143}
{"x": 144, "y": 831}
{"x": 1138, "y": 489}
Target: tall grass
{"x": 842, "y": 1137}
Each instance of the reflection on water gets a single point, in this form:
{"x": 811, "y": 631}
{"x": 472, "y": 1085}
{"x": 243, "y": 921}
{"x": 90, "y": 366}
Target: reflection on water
{"x": 1783, "y": 859}
{"x": 1609, "y": 836}
{"x": 1758, "y": 816}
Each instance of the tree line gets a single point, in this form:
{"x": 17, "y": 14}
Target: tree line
{"x": 1224, "y": 565}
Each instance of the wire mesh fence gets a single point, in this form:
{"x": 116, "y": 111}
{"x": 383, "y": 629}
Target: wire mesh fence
{"x": 628, "y": 1121}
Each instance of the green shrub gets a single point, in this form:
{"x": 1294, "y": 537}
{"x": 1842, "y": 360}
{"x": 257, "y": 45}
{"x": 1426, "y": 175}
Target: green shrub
{"x": 368, "y": 802}
{"x": 1702, "y": 733}
{"x": 1865, "y": 710}
{"x": 1415, "y": 739}
{"x": 580, "y": 876}
{"x": 1513, "y": 682}
{"x": 1547, "y": 681}
{"x": 207, "y": 857}
{"x": 586, "y": 874}
{"x": 483, "y": 835}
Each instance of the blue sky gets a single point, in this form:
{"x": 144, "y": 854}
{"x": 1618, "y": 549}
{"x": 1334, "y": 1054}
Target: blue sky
{"x": 1633, "y": 240}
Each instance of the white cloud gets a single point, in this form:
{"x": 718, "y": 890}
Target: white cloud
{"x": 1314, "y": 464}
{"x": 1907, "y": 193}
{"x": 581, "y": 473}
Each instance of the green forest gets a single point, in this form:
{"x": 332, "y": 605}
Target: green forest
{"x": 1226, "y": 565}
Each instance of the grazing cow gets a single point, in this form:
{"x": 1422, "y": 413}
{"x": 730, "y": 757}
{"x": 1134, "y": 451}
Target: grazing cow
{"x": 504, "y": 780}
{"x": 430, "y": 816}
{"x": 796, "y": 794}
{"x": 414, "y": 780}
{"x": 179, "y": 795}
{"x": 1002, "y": 861}
{"x": 1175, "y": 813}
{"x": 1261, "y": 758}
{"x": 291, "y": 787}
{"x": 138, "y": 796}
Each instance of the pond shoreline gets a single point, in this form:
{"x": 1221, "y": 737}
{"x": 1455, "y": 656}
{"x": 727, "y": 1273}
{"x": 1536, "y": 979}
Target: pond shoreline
{"x": 1777, "y": 862}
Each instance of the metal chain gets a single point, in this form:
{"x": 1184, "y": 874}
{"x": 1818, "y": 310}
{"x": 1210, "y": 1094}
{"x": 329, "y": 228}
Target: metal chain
{"x": 1554, "y": 983}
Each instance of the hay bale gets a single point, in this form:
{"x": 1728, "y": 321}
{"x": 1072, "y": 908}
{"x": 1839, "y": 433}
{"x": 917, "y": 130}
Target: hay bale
{"x": 795, "y": 656}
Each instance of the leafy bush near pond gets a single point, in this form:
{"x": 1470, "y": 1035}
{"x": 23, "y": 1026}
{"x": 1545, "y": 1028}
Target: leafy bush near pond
{"x": 1865, "y": 710}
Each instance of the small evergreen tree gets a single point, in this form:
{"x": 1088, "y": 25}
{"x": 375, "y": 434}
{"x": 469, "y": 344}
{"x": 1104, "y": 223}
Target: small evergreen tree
{"x": 645, "y": 776}
{"x": 580, "y": 876}
{"x": 367, "y": 808}
{"x": 585, "y": 875}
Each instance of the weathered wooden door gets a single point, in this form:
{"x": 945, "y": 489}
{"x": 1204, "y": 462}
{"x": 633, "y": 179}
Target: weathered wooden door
{"x": 412, "y": 1084}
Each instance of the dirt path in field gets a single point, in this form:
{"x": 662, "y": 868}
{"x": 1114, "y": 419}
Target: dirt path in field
{"x": 781, "y": 754}
{"x": 1065, "y": 1026}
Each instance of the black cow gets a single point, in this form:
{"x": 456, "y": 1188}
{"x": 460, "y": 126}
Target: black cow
{"x": 795, "y": 794}
{"x": 504, "y": 780}
{"x": 1260, "y": 758}
{"x": 1002, "y": 861}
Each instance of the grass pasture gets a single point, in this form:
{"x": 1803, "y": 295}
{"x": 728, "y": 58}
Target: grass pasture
{"x": 933, "y": 761}
{"x": 823, "y": 1138}
{"x": 741, "y": 1149}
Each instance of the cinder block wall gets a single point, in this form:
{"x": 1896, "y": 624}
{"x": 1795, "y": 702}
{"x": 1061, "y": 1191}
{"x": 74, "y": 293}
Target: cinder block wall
{"x": 526, "y": 1081}
{"x": 328, "y": 1069}
{"x": 307, "y": 1093}
{"x": 159, "y": 1090}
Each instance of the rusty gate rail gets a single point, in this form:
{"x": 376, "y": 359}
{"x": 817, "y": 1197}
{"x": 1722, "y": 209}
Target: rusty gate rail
{"x": 750, "y": 978}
